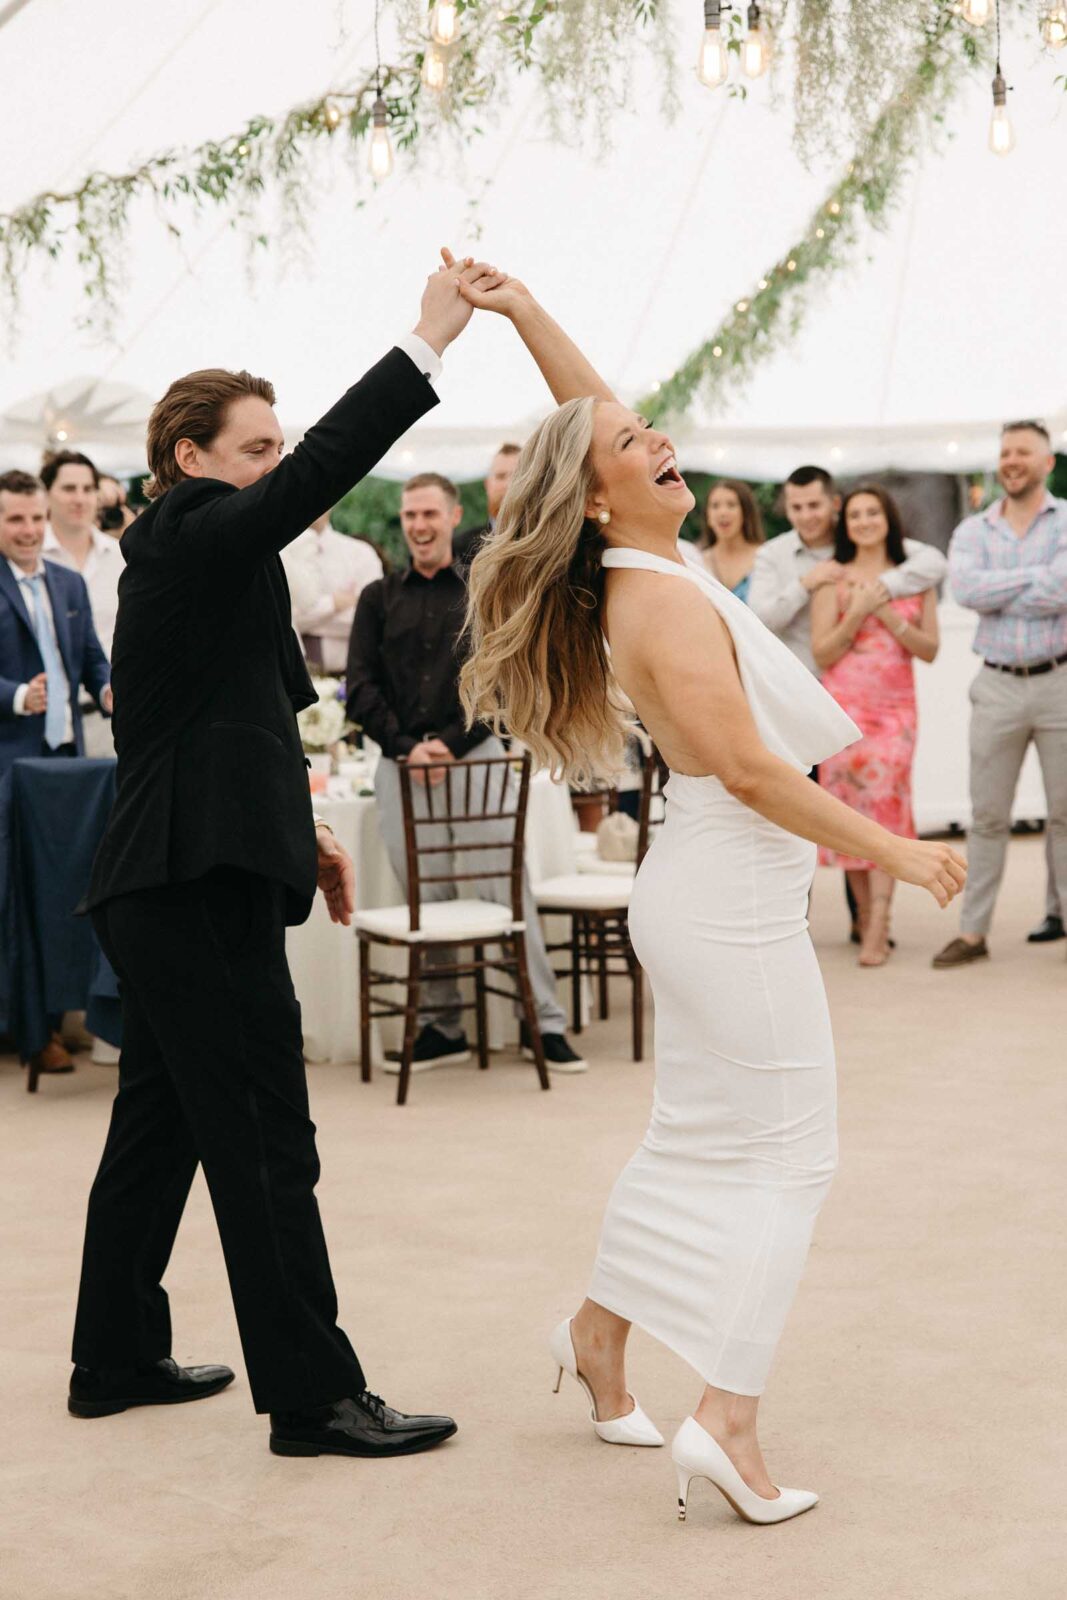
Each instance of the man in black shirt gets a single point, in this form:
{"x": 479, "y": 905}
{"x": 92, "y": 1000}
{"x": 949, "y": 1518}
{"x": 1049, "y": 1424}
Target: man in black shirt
{"x": 403, "y": 689}
{"x": 466, "y": 544}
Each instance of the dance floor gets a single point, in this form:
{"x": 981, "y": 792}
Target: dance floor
{"x": 920, "y": 1384}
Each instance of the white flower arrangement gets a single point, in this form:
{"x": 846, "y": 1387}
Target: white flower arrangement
{"x": 324, "y": 723}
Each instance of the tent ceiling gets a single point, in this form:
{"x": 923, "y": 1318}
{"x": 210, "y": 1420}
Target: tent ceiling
{"x": 956, "y": 319}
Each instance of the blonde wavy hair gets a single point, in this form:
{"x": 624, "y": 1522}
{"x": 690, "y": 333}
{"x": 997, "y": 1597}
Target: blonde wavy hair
{"x": 538, "y": 663}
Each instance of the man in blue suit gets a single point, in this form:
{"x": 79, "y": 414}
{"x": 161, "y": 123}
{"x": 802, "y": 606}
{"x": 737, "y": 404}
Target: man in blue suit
{"x": 48, "y": 649}
{"x": 48, "y": 644}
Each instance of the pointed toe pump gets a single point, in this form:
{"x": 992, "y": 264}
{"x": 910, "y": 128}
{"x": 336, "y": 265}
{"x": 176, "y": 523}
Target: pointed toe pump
{"x": 696, "y": 1455}
{"x": 635, "y": 1428}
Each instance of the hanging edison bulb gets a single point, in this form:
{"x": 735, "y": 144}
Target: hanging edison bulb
{"x": 1001, "y": 132}
{"x": 444, "y": 22}
{"x": 756, "y": 50}
{"x": 434, "y": 69}
{"x": 712, "y": 65}
{"x": 1054, "y": 26}
{"x": 977, "y": 12}
{"x": 380, "y": 159}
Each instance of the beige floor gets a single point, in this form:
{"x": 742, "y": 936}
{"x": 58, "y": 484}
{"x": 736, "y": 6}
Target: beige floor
{"x": 919, "y": 1386}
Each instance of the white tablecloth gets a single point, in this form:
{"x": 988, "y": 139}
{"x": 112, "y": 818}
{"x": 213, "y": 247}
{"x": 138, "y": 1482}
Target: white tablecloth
{"x": 323, "y": 957}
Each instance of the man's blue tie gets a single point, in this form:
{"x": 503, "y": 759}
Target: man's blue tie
{"x": 55, "y": 717}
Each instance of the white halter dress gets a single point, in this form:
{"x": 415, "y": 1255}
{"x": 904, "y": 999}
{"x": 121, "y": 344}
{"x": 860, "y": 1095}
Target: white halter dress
{"x": 709, "y": 1224}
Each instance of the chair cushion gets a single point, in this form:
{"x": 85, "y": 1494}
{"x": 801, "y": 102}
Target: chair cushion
{"x": 586, "y": 891}
{"x": 584, "y": 844}
{"x": 443, "y": 922}
{"x": 606, "y": 869}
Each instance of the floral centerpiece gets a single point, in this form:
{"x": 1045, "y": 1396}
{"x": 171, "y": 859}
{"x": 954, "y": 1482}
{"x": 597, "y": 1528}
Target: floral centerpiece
{"x": 323, "y": 724}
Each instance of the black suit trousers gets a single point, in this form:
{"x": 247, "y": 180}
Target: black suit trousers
{"x": 212, "y": 1072}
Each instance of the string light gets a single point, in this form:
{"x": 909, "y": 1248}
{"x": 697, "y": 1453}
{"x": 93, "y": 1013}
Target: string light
{"x": 444, "y": 22}
{"x": 380, "y": 155}
{"x": 434, "y": 70}
{"x": 755, "y": 53}
{"x": 712, "y": 66}
{"x": 1001, "y": 132}
{"x": 977, "y": 12}
{"x": 242, "y": 149}
{"x": 331, "y": 115}
{"x": 1054, "y": 26}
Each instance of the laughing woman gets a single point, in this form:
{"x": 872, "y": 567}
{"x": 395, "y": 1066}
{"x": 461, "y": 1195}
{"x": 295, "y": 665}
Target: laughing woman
{"x": 864, "y": 644}
{"x": 708, "y": 1227}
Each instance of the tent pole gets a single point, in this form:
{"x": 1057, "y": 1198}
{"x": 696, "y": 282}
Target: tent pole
{"x": 12, "y": 9}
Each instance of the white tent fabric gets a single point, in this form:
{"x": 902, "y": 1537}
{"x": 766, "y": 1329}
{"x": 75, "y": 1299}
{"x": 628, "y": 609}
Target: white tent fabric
{"x": 951, "y": 320}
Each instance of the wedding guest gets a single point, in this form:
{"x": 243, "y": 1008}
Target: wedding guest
{"x": 73, "y": 540}
{"x": 48, "y": 650}
{"x": 113, "y": 514}
{"x": 327, "y": 573}
{"x": 404, "y": 661}
{"x": 864, "y": 645}
{"x": 733, "y": 533}
{"x": 791, "y": 567}
{"x": 466, "y": 543}
{"x": 1009, "y": 563}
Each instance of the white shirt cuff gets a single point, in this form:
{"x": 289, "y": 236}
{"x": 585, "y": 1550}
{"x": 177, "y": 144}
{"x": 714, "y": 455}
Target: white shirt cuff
{"x": 18, "y": 705}
{"x": 423, "y": 355}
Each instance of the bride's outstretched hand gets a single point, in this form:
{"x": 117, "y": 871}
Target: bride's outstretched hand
{"x": 489, "y": 293}
{"x": 932, "y": 865}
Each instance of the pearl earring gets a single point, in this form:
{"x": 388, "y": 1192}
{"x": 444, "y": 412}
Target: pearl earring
{"x": 604, "y": 517}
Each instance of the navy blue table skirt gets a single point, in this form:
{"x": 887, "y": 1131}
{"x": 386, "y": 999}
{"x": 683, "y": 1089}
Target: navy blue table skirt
{"x": 52, "y": 816}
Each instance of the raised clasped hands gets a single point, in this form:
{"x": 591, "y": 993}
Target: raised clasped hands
{"x": 445, "y": 309}
{"x": 866, "y": 598}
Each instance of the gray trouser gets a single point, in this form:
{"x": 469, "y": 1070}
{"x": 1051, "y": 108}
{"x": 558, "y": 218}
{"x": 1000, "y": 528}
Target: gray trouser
{"x": 441, "y": 996}
{"x": 1053, "y": 899}
{"x": 1006, "y": 714}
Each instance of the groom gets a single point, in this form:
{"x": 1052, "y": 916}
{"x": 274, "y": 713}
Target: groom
{"x": 210, "y": 852}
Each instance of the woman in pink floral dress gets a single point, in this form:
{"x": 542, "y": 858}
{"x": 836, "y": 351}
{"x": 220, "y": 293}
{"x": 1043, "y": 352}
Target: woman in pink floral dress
{"x": 863, "y": 644}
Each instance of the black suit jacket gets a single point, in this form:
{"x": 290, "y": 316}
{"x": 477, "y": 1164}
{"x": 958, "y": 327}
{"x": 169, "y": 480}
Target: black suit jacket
{"x": 207, "y": 671}
{"x": 467, "y": 543}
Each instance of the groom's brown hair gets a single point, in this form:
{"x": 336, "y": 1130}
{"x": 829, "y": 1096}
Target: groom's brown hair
{"x": 194, "y": 407}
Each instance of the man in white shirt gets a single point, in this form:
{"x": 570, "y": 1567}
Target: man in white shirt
{"x": 327, "y": 573}
{"x": 791, "y": 567}
{"x": 73, "y": 540}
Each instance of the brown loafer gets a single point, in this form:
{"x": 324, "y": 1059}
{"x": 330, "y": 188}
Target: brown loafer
{"x": 959, "y": 952}
{"x": 53, "y": 1058}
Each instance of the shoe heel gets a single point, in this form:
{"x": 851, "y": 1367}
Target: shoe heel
{"x": 685, "y": 1478}
{"x": 94, "y": 1408}
{"x": 292, "y": 1447}
{"x": 559, "y": 1380}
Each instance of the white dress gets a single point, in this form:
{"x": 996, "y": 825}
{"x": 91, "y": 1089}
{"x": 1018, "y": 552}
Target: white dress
{"x": 708, "y": 1226}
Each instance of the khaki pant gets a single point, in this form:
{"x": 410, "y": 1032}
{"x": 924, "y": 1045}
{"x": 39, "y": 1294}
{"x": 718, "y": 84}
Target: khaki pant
{"x": 1007, "y": 713}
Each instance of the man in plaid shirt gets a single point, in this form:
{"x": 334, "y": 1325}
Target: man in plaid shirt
{"x": 1009, "y": 563}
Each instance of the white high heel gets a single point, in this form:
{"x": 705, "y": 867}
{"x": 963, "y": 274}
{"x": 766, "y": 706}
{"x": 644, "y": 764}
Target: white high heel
{"x": 635, "y": 1428}
{"x": 696, "y": 1455}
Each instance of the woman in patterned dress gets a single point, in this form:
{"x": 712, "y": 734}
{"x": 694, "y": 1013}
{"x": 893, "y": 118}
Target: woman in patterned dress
{"x": 864, "y": 644}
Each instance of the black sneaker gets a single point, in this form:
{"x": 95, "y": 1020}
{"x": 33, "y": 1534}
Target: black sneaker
{"x": 432, "y": 1049}
{"x": 559, "y": 1057}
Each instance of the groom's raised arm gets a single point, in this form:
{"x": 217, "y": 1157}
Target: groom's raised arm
{"x": 235, "y": 526}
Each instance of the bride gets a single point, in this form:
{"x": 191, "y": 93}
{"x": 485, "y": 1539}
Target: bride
{"x": 708, "y": 1226}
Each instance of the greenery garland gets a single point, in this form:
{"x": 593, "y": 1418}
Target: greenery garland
{"x": 773, "y": 311}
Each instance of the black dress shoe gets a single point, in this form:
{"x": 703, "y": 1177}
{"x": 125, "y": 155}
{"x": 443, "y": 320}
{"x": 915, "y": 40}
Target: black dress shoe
{"x": 103, "y": 1391}
{"x": 362, "y": 1426}
{"x": 1049, "y": 930}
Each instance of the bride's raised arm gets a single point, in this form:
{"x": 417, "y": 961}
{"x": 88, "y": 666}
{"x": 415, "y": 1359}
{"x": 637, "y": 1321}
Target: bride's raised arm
{"x": 568, "y": 373}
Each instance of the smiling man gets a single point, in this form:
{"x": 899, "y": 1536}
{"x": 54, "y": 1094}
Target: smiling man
{"x": 211, "y": 851}
{"x": 404, "y": 660}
